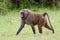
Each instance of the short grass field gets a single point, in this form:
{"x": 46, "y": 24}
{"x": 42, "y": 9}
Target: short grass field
{"x": 10, "y": 23}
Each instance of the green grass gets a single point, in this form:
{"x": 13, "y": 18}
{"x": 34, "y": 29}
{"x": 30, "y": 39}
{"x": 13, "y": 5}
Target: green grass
{"x": 10, "y": 23}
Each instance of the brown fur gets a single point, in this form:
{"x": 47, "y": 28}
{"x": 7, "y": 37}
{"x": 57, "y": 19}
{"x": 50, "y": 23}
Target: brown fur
{"x": 35, "y": 19}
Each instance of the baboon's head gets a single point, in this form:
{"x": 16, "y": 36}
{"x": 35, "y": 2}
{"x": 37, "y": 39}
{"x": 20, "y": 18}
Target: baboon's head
{"x": 24, "y": 13}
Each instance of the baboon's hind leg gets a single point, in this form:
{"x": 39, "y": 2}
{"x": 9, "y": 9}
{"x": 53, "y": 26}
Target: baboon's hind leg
{"x": 49, "y": 27}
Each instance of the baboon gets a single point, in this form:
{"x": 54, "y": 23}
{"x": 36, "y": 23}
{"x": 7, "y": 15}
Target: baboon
{"x": 32, "y": 19}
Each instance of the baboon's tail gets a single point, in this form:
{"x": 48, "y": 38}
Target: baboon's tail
{"x": 48, "y": 18}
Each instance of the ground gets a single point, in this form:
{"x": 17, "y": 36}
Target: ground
{"x": 10, "y": 23}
